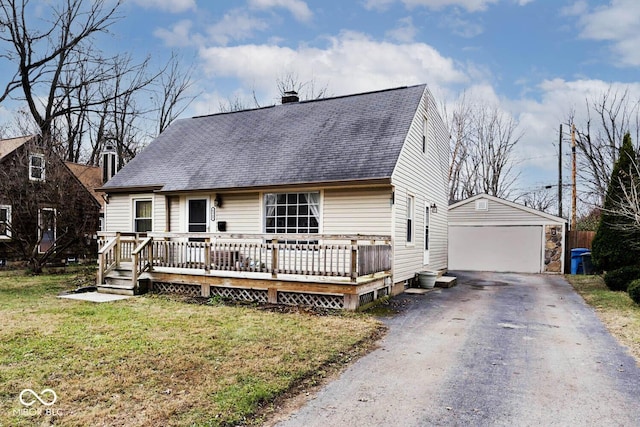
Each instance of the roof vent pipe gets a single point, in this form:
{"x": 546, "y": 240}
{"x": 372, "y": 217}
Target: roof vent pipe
{"x": 290, "y": 96}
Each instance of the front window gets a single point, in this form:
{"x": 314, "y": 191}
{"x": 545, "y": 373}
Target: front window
{"x": 292, "y": 213}
{"x": 5, "y": 222}
{"x": 142, "y": 216}
{"x": 36, "y": 167}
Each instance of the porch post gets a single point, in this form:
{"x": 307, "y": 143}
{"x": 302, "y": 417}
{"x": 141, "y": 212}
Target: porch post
{"x": 354, "y": 261}
{"x": 274, "y": 258}
{"x": 116, "y": 248}
{"x": 207, "y": 254}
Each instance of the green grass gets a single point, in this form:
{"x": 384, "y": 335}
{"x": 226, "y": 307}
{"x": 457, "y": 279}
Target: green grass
{"x": 157, "y": 361}
{"x": 616, "y": 310}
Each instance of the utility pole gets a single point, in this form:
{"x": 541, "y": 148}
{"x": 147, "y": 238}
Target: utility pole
{"x": 560, "y": 173}
{"x": 574, "y": 192}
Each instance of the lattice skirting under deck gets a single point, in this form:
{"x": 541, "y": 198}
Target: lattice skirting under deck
{"x": 176, "y": 288}
{"x": 330, "y": 301}
{"x": 240, "y": 294}
{"x": 314, "y": 300}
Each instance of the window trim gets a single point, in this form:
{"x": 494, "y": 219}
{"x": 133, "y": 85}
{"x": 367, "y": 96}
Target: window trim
{"x": 7, "y": 235}
{"x": 410, "y": 219}
{"x": 425, "y": 133}
{"x": 134, "y": 201}
{"x": 286, "y": 226}
{"x": 32, "y": 167}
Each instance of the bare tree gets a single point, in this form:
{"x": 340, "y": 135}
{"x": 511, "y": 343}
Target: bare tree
{"x": 609, "y": 116}
{"x": 290, "y": 81}
{"x": 59, "y": 73}
{"x": 174, "y": 85}
{"x": 627, "y": 205}
{"x": 482, "y": 141}
{"x": 287, "y": 82}
{"x": 543, "y": 199}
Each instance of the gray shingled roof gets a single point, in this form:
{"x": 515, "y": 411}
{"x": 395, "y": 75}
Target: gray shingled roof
{"x": 357, "y": 137}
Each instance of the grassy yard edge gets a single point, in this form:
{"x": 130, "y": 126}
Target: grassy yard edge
{"x": 616, "y": 310}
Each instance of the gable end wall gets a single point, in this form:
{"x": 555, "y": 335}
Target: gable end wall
{"x": 424, "y": 175}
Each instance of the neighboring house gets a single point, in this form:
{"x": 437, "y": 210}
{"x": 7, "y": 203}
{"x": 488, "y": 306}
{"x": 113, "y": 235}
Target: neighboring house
{"x": 487, "y": 233}
{"x": 46, "y": 213}
{"x": 330, "y": 202}
{"x": 92, "y": 178}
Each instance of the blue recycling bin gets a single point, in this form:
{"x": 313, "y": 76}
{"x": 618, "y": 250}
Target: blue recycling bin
{"x": 576, "y": 260}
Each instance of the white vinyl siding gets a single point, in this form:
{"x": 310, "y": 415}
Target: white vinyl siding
{"x": 357, "y": 210}
{"x": 242, "y": 213}
{"x": 118, "y": 213}
{"x": 423, "y": 175}
{"x": 174, "y": 214}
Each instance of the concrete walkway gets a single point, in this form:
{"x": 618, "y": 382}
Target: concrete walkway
{"x": 498, "y": 349}
{"x": 94, "y": 297}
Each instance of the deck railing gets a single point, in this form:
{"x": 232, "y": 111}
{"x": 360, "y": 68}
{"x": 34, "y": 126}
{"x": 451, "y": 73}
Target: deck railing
{"x": 304, "y": 255}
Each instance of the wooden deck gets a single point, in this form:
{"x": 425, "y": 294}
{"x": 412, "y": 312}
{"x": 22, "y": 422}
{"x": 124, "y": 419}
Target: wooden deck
{"x": 344, "y": 272}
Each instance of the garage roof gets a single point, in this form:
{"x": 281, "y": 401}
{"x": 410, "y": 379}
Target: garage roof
{"x": 497, "y": 210}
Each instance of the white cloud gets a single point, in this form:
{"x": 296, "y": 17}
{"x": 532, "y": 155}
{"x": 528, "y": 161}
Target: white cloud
{"x": 173, "y": 6}
{"x": 460, "y": 26}
{"x": 235, "y": 25}
{"x": 350, "y": 63}
{"x": 617, "y": 23}
{"x": 577, "y": 8}
{"x": 298, "y": 8}
{"x": 469, "y": 5}
{"x": 405, "y": 32}
{"x": 379, "y": 5}
{"x": 177, "y": 36}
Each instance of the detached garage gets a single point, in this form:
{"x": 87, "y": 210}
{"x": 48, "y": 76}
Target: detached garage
{"x": 487, "y": 233}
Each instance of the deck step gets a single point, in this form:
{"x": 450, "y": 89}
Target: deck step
{"x": 446, "y": 282}
{"x": 116, "y": 289}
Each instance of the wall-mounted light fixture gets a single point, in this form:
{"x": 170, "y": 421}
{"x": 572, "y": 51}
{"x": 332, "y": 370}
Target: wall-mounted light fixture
{"x": 434, "y": 208}
{"x": 217, "y": 202}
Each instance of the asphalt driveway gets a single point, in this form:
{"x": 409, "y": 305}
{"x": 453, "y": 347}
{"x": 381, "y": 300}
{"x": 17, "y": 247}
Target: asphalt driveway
{"x": 498, "y": 349}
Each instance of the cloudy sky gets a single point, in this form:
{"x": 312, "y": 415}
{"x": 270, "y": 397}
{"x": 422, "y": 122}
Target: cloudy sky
{"x": 536, "y": 59}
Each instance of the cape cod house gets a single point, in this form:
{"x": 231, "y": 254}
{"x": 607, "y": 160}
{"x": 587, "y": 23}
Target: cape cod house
{"x": 47, "y": 209}
{"x": 332, "y": 202}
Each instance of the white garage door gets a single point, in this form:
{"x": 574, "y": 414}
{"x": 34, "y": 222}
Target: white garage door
{"x": 496, "y": 248}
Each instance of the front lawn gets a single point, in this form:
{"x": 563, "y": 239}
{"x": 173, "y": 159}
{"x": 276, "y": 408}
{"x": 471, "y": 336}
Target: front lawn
{"x": 616, "y": 310}
{"x": 153, "y": 360}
